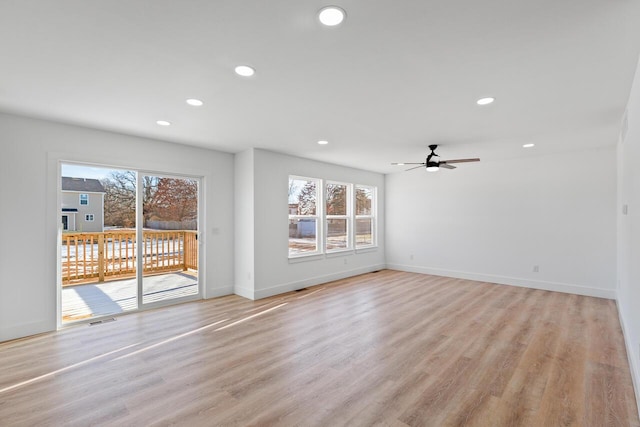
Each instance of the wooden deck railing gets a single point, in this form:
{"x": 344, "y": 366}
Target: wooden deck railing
{"x": 94, "y": 257}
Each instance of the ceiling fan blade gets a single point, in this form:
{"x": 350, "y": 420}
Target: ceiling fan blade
{"x": 460, "y": 161}
{"x": 446, "y": 166}
{"x": 406, "y": 163}
{"x": 410, "y": 169}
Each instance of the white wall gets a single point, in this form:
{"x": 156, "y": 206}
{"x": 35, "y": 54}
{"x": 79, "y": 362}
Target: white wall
{"x": 244, "y": 224}
{"x": 494, "y": 220}
{"x": 272, "y": 272}
{"x": 629, "y": 232}
{"x": 30, "y": 153}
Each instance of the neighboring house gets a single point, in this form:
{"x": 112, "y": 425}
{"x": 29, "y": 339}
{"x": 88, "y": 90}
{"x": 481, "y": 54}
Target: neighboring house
{"x": 82, "y": 204}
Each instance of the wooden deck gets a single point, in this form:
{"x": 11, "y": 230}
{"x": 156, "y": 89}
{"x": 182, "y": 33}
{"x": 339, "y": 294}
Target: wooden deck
{"x": 93, "y": 300}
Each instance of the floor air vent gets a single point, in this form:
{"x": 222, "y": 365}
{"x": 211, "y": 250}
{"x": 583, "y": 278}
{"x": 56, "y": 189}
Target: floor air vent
{"x": 303, "y": 289}
{"x": 99, "y": 322}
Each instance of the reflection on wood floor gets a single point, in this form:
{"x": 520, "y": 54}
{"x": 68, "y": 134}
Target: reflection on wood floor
{"x": 387, "y": 348}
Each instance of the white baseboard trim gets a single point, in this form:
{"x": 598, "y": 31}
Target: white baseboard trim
{"x": 219, "y": 292}
{"x": 243, "y": 292}
{"x": 299, "y": 284}
{"x": 512, "y": 281}
{"x": 631, "y": 355}
{"x": 25, "y": 330}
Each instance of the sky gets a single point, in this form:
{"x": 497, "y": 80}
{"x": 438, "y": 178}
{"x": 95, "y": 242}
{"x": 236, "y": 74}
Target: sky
{"x": 80, "y": 171}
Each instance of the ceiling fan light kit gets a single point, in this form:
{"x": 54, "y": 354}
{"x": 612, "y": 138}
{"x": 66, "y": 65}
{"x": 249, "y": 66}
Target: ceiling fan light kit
{"x": 433, "y": 165}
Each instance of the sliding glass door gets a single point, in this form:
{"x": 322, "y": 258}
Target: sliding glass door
{"x": 129, "y": 240}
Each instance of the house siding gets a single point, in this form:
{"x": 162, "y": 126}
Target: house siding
{"x": 71, "y": 199}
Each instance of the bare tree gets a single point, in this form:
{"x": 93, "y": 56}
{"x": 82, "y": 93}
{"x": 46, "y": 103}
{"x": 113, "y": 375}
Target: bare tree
{"x": 175, "y": 200}
{"x": 307, "y": 199}
{"x": 336, "y": 199}
{"x": 363, "y": 201}
{"x": 163, "y": 199}
{"x": 120, "y": 198}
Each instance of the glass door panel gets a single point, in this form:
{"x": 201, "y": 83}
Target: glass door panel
{"x": 170, "y": 238}
{"x": 98, "y": 242}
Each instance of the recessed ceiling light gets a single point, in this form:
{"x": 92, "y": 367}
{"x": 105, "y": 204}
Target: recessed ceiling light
{"x": 331, "y": 16}
{"x": 485, "y": 101}
{"x": 323, "y": 142}
{"x": 528, "y": 145}
{"x": 163, "y": 123}
{"x": 195, "y": 102}
{"x": 245, "y": 71}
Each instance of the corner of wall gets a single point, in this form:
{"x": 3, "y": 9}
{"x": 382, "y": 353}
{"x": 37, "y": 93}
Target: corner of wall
{"x": 632, "y": 356}
{"x": 244, "y": 227}
{"x": 628, "y": 236}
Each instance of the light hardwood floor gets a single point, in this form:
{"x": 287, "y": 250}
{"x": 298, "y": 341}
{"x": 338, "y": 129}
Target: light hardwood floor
{"x": 387, "y": 348}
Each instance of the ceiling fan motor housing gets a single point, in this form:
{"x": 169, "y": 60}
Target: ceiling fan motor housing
{"x": 434, "y": 165}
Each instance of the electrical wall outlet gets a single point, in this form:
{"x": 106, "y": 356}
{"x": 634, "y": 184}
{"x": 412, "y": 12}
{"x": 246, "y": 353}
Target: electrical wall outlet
{"x": 411, "y": 257}
{"x": 536, "y": 268}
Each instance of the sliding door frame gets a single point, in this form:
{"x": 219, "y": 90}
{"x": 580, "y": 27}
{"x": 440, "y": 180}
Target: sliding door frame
{"x": 56, "y": 160}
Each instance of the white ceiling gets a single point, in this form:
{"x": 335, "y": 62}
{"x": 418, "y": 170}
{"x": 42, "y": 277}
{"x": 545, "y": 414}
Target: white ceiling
{"x": 395, "y": 77}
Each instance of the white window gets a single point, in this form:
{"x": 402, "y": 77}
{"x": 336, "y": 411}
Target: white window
{"x": 365, "y": 216}
{"x": 88, "y": 217}
{"x": 346, "y": 219}
{"x": 84, "y": 199}
{"x": 338, "y": 216}
{"x": 303, "y": 216}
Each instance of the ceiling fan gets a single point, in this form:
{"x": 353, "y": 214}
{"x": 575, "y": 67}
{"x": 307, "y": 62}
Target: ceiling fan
{"x": 434, "y": 165}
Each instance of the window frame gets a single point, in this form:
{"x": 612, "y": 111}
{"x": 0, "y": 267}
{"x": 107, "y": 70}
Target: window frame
{"x": 318, "y": 217}
{"x": 89, "y": 217}
{"x": 84, "y": 197}
{"x": 321, "y": 220}
{"x": 372, "y": 216}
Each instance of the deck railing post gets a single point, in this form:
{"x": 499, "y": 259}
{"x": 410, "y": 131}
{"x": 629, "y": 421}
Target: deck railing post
{"x": 101, "y": 257}
{"x": 185, "y": 246}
